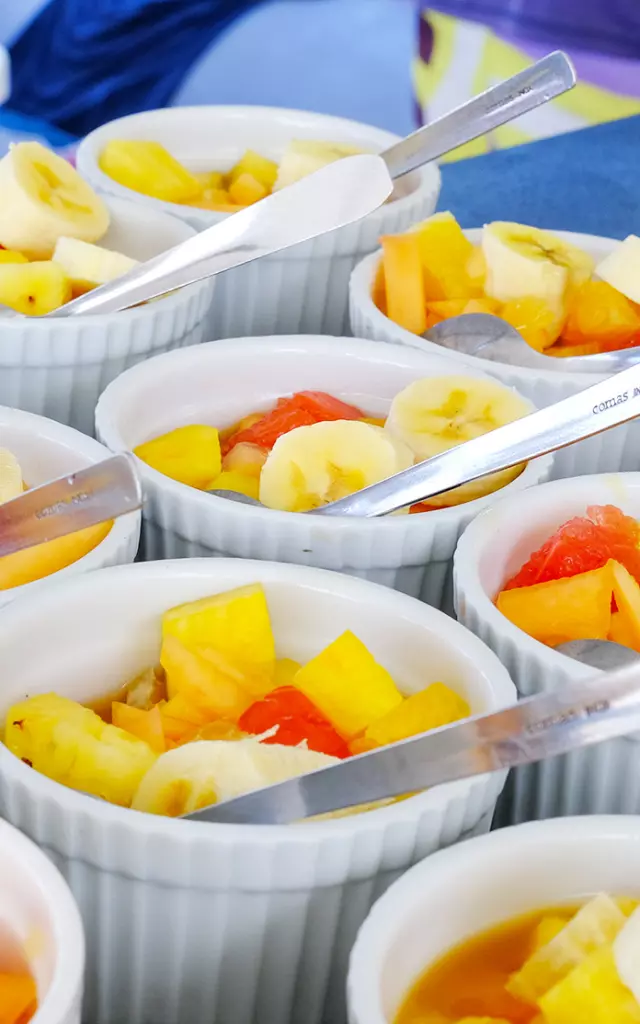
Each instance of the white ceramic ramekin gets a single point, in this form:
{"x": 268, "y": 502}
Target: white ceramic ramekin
{"x": 45, "y": 451}
{"x": 304, "y": 289}
{"x": 612, "y": 451}
{"x": 58, "y": 367}
{"x": 188, "y": 921}
{"x": 40, "y": 914}
{"x": 219, "y": 383}
{"x": 456, "y": 894}
{"x": 603, "y": 779}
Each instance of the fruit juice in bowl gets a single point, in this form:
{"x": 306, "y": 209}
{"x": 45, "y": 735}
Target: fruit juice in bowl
{"x": 41, "y": 937}
{"x": 563, "y": 307}
{"x": 264, "y": 916}
{"x": 33, "y": 451}
{"x": 289, "y": 381}
{"x": 254, "y": 149}
{"x": 534, "y": 924}
{"x": 528, "y": 579}
{"x": 59, "y": 239}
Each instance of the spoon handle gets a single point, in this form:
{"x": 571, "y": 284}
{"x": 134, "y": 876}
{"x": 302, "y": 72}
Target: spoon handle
{"x": 598, "y": 408}
{"x": 580, "y": 714}
{"x": 338, "y": 194}
{"x": 543, "y": 81}
{"x": 94, "y": 495}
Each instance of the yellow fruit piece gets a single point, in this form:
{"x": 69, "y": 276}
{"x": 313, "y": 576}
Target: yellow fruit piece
{"x": 259, "y": 167}
{"x": 217, "y": 730}
{"x": 11, "y": 256}
{"x": 535, "y": 320}
{"x": 243, "y": 424}
{"x": 599, "y": 313}
{"x": 210, "y": 180}
{"x": 595, "y": 925}
{"x": 11, "y": 482}
{"x": 217, "y": 199}
{"x": 210, "y": 689}
{"x": 146, "y": 689}
{"x": 348, "y": 685}
{"x": 146, "y": 725}
{"x": 236, "y": 626}
{"x": 476, "y": 268}
{"x": 44, "y": 559}
{"x": 34, "y": 288}
{"x": 286, "y": 669}
{"x": 445, "y": 253}
{"x": 147, "y": 167}
{"x": 483, "y": 1020}
{"x": 374, "y": 422}
{"x": 245, "y": 458}
{"x": 433, "y": 707}
{"x": 591, "y": 994}
{"x": 190, "y": 455}
{"x": 576, "y": 608}
{"x": 548, "y": 928}
{"x": 246, "y": 190}
{"x": 627, "y": 594}
{"x": 445, "y": 308}
{"x": 379, "y": 289}
{"x": 232, "y": 480}
{"x": 72, "y": 745}
{"x": 404, "y": 282}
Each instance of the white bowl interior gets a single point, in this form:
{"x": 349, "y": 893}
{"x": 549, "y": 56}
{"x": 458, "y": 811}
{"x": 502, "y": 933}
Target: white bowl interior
{"x": 105, "y": 628}
{"x": 214, "y": 138}
{"x": 460, "y": 892}
{"x": 141, "y": 233}
{"x": 44, "y": 449}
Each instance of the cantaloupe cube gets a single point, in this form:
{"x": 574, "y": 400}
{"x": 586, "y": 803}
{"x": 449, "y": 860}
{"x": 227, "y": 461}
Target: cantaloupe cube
{"x": 246, "y": 190}
{"x": 203, "y": 685}
{"x": 591, "y": 994}
{"x": 627, "y": 594}
{"x": 348, "y": 685}
{"x": 431, "y": 708}
{"x": 620, "y": 632}
{"x": 575, "y": 608}
{"x": 18, "y": 998}
{"x": 445, "y": 255}
{"x": 44, "y": 559}
{"x": 404, "y": 282}
{"x": 190, "y": 455}
{"x": 259, "y": 167}
{"x": 146, "y": 725}
{"x": 232, "y": 630}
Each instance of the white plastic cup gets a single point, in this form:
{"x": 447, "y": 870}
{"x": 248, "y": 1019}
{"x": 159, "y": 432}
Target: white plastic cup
{"x": 57, "y": 367}
{"x": 457, "y": 894}
{"x": 188, "y": 921}
{"x": 37, "y": 910}
{"x": 604, "y": 779}
{"x": 47, "y": 450}
{"x": 303, "y": 289}
{"x": 221, "y": 382}
{"x": 612, "y": 451}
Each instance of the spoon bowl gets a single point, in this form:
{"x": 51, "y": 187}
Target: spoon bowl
{"x": 603, "y": 654}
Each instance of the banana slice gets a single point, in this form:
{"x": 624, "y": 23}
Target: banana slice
{"x": 87, "y": 265}
{"x": 209, "y": 771}
{"x": 621, "y": 268}
{"x": 311, "y": 466}
{"x": 304, "y": 157}
{"x": 10, "y": 476}
{"x": 626, "y": 954}
{"x": 437, "y": 413}
{"x": 526, "y": 262}
{"x": 44, "y": 197}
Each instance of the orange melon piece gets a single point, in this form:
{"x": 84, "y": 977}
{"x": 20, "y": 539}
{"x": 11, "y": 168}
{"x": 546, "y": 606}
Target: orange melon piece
{"x": 620, "y": 633}
{"x": 44, "y": 559}
{"x": 600, "y": 313}
{"x": 573, "y": 608}
{"x": 445, "y": 308}
{"x": 404, "y": 282}
{"x": 146, "y": 725}
{"x": 537, "y": 322}
{"x": 18, "y": 998}
{"x": 627, "y": 619}
{"x": 204, "y": 686}
{"x": 445, "y": 254}
{"x": 379, "y": 289}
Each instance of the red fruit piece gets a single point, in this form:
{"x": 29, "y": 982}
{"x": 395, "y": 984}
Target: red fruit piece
{"x": 300, "y": 410}
{"x": 581, "y": 544}
{"x": 297, "y": 718}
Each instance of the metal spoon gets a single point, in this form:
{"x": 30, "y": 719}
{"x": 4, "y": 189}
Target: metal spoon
{"x": 602, "y": 654}
{"x": 576, "y": 716}
{"x": 93, "y": 495}
{"x": 489, "y": 337}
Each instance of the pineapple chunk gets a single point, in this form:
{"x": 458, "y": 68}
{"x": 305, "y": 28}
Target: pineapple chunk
{"x": 72, "y": 745}
{"x": 34, "y": 288}
{"x": 233, "y": 631}
{"x": 627, "y": 594}
{"x": 44, "y": 559}
{"x": 147, "y": 689}
{"x": 147, "y": 167}
{"x": 591, "y": 993}
{"x": 232, "y": 480}
{"x": 348, "y": 685}
{"x": 211, "y": 689}
{"x": 210, "y": 180}
{"x": 286, "y": 669}
{"x": 547, "y": 929}
{"x": 304, "y": 157}
{"x": 190, "y": 455}
{"x": 146, "y": 725}
{"x": 433, "y": 707}
{"x": 12, "y": 256}
{"x": 259, "y": 167}
{"x": 595, "y": 925}
{"x": 246, "y": 190}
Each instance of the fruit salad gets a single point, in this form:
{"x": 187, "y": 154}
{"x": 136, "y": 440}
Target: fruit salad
{"x": 560, "y": 966}
{"x": 549, "y": 290}
{"x": 583, "y": 583}
{"x": 221, "y": 714}
{"x": 311, "y": 448}
{"x": 42, "y": 560}
{"x": 149, "y": 168}
{"x": 49, "y": 221}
